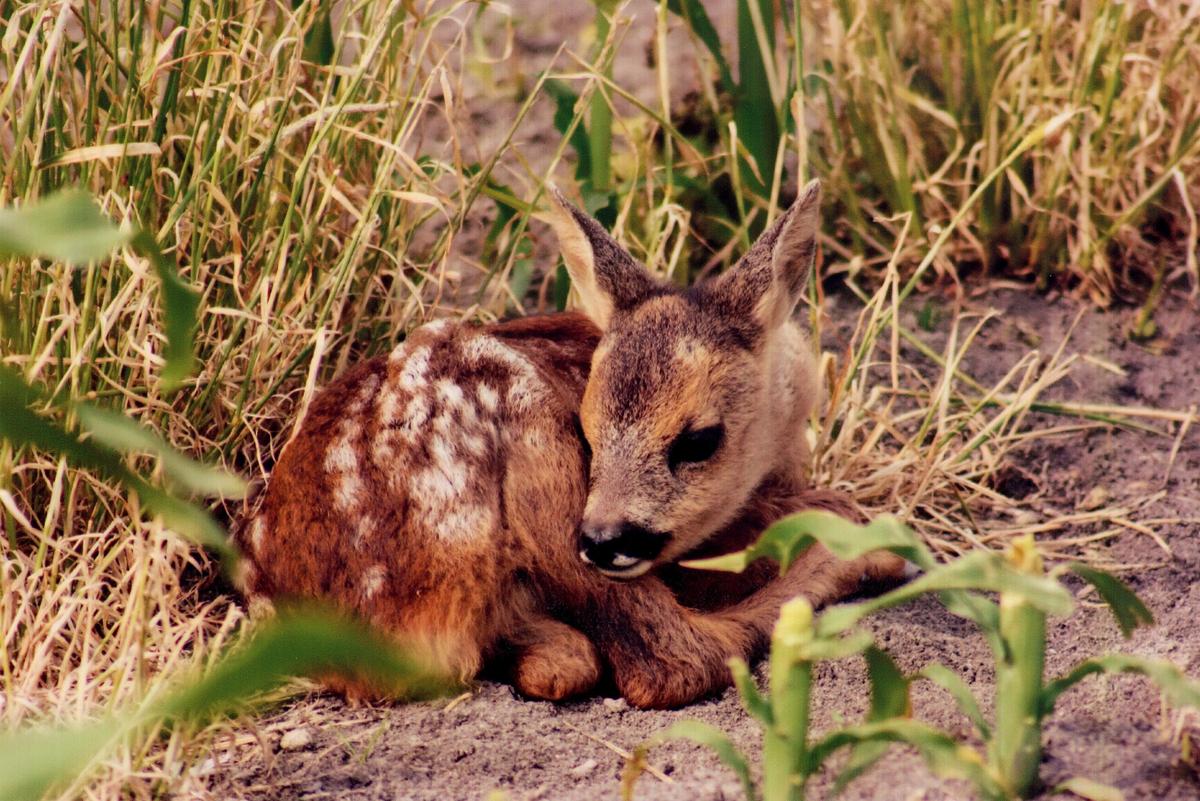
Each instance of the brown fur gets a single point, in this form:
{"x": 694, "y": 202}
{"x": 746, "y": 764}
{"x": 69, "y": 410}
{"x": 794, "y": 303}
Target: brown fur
{"x": 438, "y": 493}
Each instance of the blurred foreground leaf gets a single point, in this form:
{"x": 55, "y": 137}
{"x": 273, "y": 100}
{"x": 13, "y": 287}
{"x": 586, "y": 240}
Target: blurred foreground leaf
{"x": 115, "y": 430}
{"x": 1179, "y": 689}
{"x": 23, "y": 427}
{"x": 305, "y": 644}
{"x": 68, "y": 226}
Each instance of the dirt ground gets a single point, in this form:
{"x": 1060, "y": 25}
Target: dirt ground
{"x": 1108, "y": 729}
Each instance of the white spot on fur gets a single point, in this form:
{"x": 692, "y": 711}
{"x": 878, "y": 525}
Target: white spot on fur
{"x": 364, "y": 529}
{"x": 244, "y": 576}
{"x": 475, "y": 444}
{"x": 438, "y": 326}
{"x": 489, "y": 399}
{"x": 466, "y": 523}
{"x": 342, "y": 456}
{"x": 261, "y": 608}
{"x": 525, "y": 388}
{"x": 451, "y": 394}
{"x": 416, "y": 368}
{"x": 373, "y": 580}
{"x": 343, "y": 461}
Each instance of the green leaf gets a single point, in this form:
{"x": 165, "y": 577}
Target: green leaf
{"x": 754, "y": 109}
{"x": 979, "y": 570}
{"x": 32, "y": 760}
{"x": 789, "y": 537}
{"x": 752, "y": 699}
{"x": 952, "y": 683}
{"x": 565, "y": 102}
{"x": 304, "y": 644}
{"x": 942, "y": 753}
{"x": 318, "y": 39}
{"x": 1180, "y": 689}
{"x": 22, "y": 427}
{"x": 823, "y": 648}
{"x": 889, "y": 699}
{"x": 714, "y": 738}
{"x": 1126, "y": 607}
{"x": 180, "y": 303}
{"x": 66, "y": 226}
{"x": 1089, "y": 789}
{"x": 696, "y": 17}
{"x": 115, "y": 430}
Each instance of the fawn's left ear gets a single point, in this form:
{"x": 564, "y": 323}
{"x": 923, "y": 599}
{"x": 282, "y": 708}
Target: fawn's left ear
{"x": 605, "y": 277}
{"x": 766, "y": 283}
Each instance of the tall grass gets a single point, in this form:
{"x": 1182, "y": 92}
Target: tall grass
{"x": 311, "y": 194}
{"x": 907, "y": 108}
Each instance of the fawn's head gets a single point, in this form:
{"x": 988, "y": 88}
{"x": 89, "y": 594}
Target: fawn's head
{"x": 695, "y": 395}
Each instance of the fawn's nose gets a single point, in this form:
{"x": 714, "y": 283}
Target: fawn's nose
{"x": 620, "y": 550}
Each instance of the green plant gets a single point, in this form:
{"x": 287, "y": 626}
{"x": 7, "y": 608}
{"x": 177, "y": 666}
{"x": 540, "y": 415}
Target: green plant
{"x": 791, "y": 755}
{"x": 1015, "y": 628}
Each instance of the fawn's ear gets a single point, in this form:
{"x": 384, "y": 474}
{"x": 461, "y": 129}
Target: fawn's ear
{"x": 766, "y": 283}
{"x": 605, "y": 277}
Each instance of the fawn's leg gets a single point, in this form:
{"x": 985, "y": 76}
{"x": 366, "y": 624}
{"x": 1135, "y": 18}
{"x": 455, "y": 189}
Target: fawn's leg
{"x": 661, "y": 654}
{"x": 553, "y": 661}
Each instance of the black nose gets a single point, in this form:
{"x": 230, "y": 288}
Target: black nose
{"x": 617, "y": 547}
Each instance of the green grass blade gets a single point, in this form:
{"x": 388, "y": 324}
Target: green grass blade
{"x": 942, "y": 753}
{"x": 1126, "y": 607}
{"x": 1180, "y": 689}
{"x": 753, "y": 700}
{"x": 120, "y": 433}
{"x": 952, "y": 683}
{"x": 978, "y": 571}
{"x": 889, "y": 699}
{"x": 22, "y": 427}
{"x": 697, "y": 20}
{"x": 786, "y": 539}
{"x": 180, "y": 303}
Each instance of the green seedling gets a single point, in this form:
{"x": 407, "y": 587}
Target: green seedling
{"x": 1015, "y": 628}
{"x": 791, "y": 753}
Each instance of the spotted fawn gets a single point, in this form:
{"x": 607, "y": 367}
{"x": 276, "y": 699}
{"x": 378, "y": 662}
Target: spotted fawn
{"x": 521, "y": 492}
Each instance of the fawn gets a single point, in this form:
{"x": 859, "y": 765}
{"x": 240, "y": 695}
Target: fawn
{"x": 523, "y": 488}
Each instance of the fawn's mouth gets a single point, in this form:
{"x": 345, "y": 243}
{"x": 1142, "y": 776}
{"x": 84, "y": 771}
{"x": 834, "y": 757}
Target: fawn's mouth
{"x": 621, "y": 566}
{"x": 622, "y": 551}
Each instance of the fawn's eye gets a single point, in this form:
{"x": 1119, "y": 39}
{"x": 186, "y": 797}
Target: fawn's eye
{"x": 695, "y": 445}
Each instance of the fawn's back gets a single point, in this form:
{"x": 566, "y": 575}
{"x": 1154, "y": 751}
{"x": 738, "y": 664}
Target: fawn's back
{"x": 420, "y": 483}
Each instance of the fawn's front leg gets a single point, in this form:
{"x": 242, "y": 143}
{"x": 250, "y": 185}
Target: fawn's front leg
{"x": 661, "y": 653}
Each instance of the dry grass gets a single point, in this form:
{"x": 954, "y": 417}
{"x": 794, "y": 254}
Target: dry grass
{"x": 919, "y": 102}
{"x": 323, "y": 211}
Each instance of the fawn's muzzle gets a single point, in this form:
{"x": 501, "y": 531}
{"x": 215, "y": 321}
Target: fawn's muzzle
{"x": 620, "y": 550}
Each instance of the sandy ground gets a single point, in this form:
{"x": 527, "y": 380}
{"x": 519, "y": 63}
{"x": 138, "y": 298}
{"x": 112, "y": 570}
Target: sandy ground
{"x": 1108, "y": 729}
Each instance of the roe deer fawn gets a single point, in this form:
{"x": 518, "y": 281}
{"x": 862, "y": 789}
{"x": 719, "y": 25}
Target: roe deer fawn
{"x": 524, "y": 486}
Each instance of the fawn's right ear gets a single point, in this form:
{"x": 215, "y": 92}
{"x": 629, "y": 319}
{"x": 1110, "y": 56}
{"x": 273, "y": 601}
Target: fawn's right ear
{"x": 605, "y": 277}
